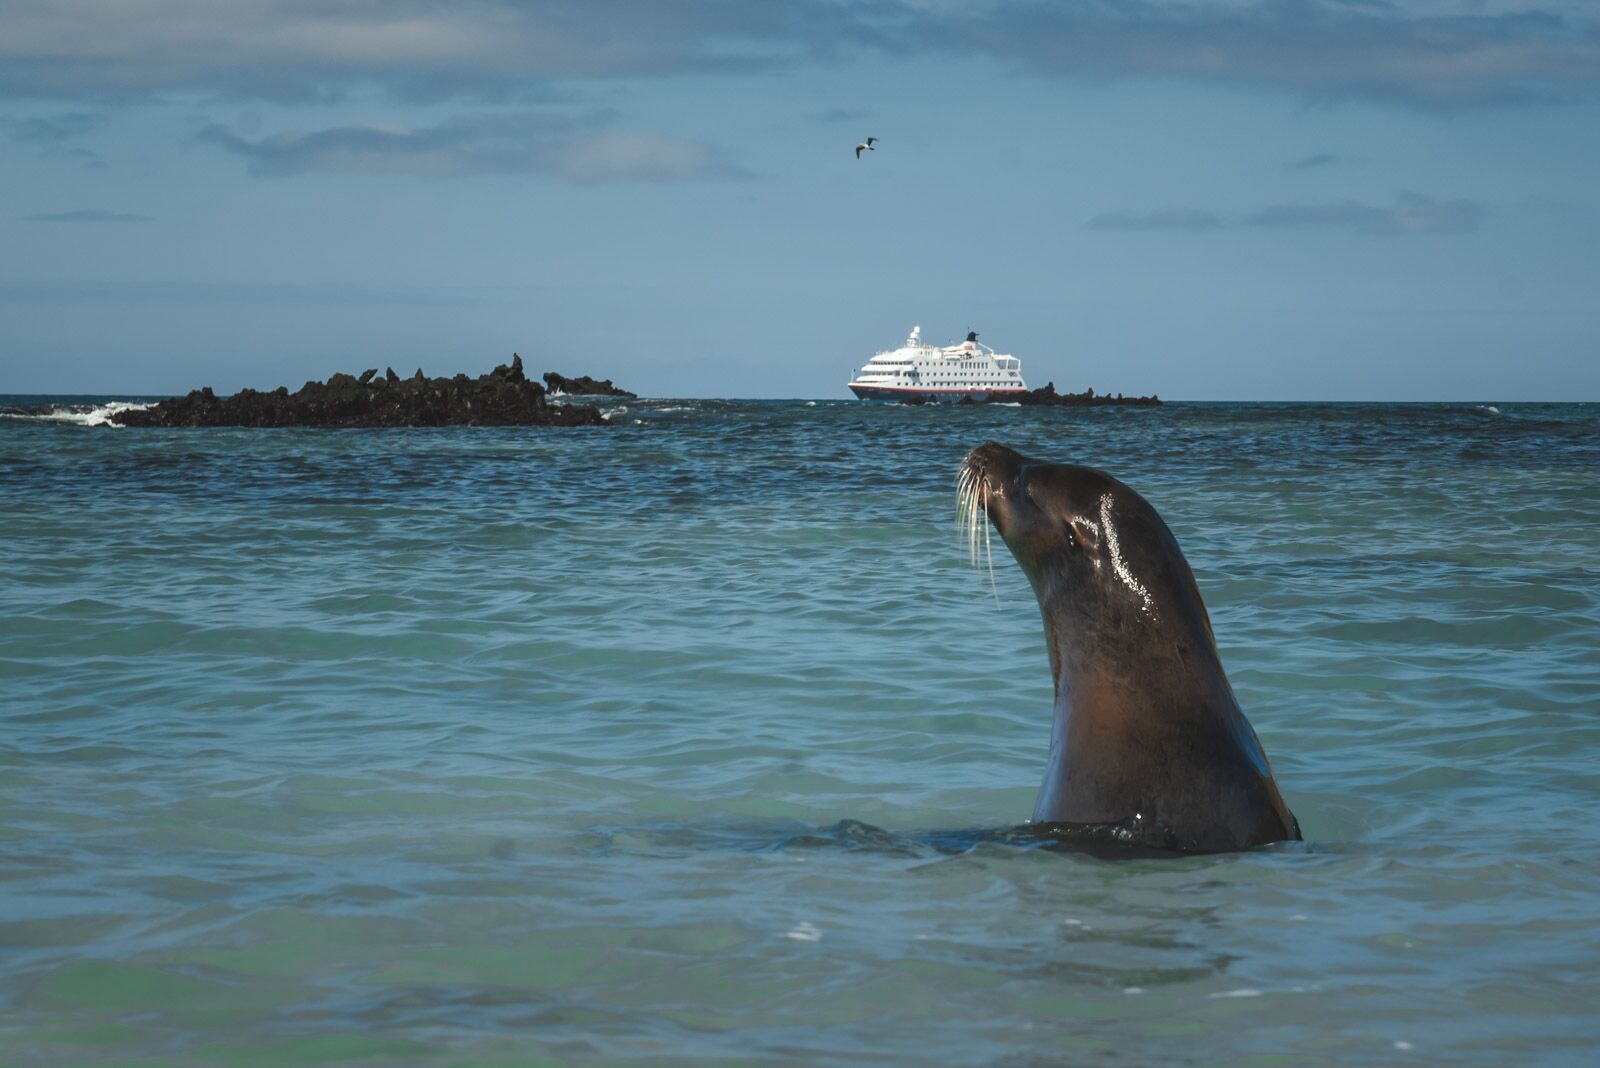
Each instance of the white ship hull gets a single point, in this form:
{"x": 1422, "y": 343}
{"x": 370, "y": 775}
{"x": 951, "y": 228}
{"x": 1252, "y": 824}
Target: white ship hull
{"x": 891, "y": 393}
{"x": 919, "y": 373}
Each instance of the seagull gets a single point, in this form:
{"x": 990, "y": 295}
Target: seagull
{"x": 867, "y": 144}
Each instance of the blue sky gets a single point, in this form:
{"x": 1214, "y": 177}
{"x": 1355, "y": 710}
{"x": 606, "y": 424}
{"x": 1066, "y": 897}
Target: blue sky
{"x": 1289, "y": 199}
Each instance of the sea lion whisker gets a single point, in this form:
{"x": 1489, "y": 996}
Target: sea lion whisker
{"x": 980, "y": 502}
{"x": 967, "y": 525}
{"x": 988, "y": 552}
{"x": 966, "y": 498}
{"x": 1147, "y": 746}
{"x": 961, "y": 499}
{"x": 972, "y": 506}
{"x": 972, "y": 527}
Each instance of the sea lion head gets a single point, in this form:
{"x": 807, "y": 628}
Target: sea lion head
{"x": 1085, "y": 541}
{"x": 1148, "y": 743}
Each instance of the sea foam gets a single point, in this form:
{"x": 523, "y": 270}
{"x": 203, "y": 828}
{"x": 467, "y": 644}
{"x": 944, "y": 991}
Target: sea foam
{"x": 80, "y": 414}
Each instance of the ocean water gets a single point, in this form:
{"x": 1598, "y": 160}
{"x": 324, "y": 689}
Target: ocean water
{"x": 683, "y": 741}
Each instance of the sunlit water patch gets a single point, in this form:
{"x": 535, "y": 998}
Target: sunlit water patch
{"x": 696, "y": 738}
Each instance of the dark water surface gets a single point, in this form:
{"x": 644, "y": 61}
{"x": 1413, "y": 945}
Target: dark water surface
{"x": 676, "y": 742}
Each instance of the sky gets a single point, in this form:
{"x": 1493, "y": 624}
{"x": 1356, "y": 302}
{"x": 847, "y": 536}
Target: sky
{"x": 1239, "y": 199}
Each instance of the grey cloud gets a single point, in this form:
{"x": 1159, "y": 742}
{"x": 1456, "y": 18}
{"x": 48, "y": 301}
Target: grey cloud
{"x": 1421, "y": 53}
{"x": 90, "y": 160}
{"x": 1411, "y": 213}
{"x": 586, "y": 149}
{"x": 52, "y": 135}
{"x": 53, "y": 129}
{"x": 633, "y": 155}
{"x": 1412, "y": 55}
{"x": 88, "y": 215}
{"x": 419, "y": 50}
{"x": 1320, "y": 159}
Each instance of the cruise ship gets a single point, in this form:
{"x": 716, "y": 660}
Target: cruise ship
{"x": 917, "y": 371}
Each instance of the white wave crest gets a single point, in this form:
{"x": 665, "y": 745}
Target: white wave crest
{"x": 83, "y": 414}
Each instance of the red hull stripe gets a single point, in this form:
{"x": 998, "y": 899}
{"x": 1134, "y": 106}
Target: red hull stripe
{"x": 864, "y": 391}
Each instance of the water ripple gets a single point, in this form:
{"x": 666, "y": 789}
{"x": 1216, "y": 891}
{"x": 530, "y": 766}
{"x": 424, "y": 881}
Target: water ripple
{"x": 698, "y": 740}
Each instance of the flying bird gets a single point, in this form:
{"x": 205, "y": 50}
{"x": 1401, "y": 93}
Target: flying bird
{"x": 867, "y": 144}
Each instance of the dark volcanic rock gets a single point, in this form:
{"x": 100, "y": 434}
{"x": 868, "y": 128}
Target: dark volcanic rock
{"x": 1047, "y": 395}
{"x": 584, "y": 386}
{"x": 503, "y": 397}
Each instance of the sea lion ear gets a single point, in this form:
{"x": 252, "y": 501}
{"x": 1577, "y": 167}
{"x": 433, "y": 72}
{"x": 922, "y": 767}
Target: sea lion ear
{"x": 1085, "y": 534}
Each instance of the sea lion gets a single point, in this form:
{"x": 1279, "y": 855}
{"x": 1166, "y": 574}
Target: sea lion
{"x": 1149, "y": 746}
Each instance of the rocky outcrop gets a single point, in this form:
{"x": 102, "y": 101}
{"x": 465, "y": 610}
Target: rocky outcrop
{"x": 503, "y": 397}
{"x": 583, "y": 386}
{"x": 1047, "y": 395}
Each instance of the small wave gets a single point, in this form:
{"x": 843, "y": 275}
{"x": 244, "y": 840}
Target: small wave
{"x": 811, "y": 404}
{"x": 1008, "y": 404}
{"x": 77, "y": 414}
{"x": 677, "y": 408}
{"x": 610, "y": 413}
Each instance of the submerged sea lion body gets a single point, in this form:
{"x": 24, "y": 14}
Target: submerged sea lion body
{"x": 1149, "y": 746}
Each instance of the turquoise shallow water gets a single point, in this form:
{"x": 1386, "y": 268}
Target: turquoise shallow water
{"x": 675, "y": 742}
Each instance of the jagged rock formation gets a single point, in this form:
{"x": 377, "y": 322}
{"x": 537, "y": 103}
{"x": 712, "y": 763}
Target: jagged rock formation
{"x": 584, "y": 386}
{"x": 1047, "y": 395}
{"x": 503, "y": 397}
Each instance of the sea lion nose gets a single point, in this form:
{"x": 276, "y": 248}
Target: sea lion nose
{"x": 994, "y": 459}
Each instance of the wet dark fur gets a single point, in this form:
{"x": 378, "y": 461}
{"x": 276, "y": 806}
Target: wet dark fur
{"x": 1149, "y": 746}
